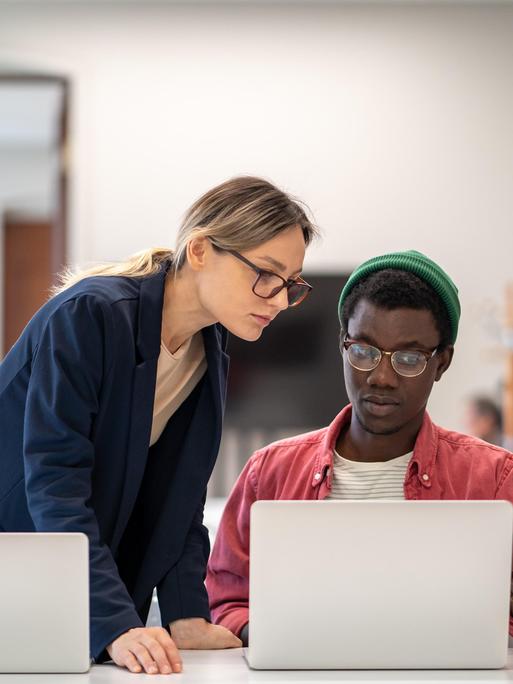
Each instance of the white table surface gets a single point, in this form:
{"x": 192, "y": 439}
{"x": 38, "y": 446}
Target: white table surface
{"x": 229, "y": 667}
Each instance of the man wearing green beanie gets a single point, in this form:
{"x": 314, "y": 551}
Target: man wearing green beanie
{"x": 399, "y": 316}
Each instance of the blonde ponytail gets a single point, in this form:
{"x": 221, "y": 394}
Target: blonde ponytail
{"x": 141, "y": 264}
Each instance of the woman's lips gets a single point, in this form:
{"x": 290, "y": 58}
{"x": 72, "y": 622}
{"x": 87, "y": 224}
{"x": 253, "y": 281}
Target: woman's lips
{"x": 263, "y": 320}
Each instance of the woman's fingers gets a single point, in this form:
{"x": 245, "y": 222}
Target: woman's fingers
{"x": 173, "y": 655}
{"x": 163, "y": 652}
{"x": 131, "y": 663}
{"x": 148, "y": 649}
{"x": 144, "y": 657}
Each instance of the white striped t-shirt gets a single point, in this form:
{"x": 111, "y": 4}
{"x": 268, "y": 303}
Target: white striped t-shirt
{"x": 377, "y": 480}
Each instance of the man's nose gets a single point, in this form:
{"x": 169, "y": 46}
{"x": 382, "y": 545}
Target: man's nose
{"x": 384, "y": 374}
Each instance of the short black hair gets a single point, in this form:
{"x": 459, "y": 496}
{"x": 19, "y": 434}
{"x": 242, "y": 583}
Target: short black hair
{"x": 395, "y": 289}
{"x": 485, "y": 406}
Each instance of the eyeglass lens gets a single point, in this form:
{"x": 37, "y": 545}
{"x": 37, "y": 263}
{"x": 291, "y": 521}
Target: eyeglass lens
{"x": 366, "y": 357}
{"x": 269, "y": 285}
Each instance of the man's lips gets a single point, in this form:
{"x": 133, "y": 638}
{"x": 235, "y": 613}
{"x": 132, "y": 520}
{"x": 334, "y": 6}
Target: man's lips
{"x": 378, "y": 405}
{"x": 380, "y": 399}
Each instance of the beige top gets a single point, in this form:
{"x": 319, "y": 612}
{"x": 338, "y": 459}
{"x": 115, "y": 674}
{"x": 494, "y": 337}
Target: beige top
{"x": 177, "y": 375}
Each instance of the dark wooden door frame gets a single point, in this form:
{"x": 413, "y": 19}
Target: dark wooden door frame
{"x": 59, "y": 224}
{"x": 59, "y": 237}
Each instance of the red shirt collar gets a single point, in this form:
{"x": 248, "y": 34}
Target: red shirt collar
{"x": 424, "y": 451}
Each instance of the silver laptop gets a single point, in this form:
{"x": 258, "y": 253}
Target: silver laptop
{"x": 379, "y": 585}
{"x": 44, "y": 602}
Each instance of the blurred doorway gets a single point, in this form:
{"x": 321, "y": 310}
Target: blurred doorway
{"x": 34, "y": 116}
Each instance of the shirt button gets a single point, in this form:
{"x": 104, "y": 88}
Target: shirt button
{"x": 425, "y": 477}
{"x": 317, "y": 476}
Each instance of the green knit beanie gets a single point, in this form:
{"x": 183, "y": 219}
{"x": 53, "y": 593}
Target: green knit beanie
{"x": 421, "y": 266}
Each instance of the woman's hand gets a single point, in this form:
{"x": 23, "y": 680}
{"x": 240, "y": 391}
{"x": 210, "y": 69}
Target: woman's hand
{"x": 197, "y": 633}
{"x": 146, "y": 648}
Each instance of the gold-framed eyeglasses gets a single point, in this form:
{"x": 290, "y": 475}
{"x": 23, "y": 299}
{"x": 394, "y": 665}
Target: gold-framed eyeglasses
{"x": 406, "y": 362}
{"x": 268, "y": 284}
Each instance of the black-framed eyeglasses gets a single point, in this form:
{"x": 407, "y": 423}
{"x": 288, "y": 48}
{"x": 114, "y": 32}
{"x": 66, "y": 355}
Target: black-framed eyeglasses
{"x": 406, "y": 362}
{"x": 268, "y": 284}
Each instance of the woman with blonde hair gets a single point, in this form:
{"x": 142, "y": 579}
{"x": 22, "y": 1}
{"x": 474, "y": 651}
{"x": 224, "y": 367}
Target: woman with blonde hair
{"x": 111, "y": 405}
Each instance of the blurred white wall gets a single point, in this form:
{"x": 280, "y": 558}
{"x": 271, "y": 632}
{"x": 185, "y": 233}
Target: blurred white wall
{"x": 392, "y": 121}
{"x": 29, "y": 114}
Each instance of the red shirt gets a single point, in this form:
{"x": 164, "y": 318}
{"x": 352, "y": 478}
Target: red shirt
{"x": 444, "y": 465}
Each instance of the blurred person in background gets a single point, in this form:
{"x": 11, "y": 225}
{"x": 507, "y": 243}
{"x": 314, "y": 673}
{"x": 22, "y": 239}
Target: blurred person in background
{"x": 483, "y": 419}
{"x": 399, "y": 316}
{"x": 111, "y": 406}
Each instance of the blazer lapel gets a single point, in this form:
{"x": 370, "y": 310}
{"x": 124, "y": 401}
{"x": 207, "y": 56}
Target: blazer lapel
{"x": 143, "y": 391}
{"x": 193, "y": 467}
{"x": 214, "y": 340}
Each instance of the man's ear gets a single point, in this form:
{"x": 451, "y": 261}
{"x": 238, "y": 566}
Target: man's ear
{"x": 444, "y": 359}
{"x": 198, "y": 250}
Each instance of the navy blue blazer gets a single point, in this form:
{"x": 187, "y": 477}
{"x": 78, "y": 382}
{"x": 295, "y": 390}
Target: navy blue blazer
{"x": 76, "y": 407}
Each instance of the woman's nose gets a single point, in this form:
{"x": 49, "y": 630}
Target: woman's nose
{"x": 281, "y": 300}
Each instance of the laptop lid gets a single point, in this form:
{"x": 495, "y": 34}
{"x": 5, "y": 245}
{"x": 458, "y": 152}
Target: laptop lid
{"x": 44, "y": 602}
{"x": 379, "y": 584}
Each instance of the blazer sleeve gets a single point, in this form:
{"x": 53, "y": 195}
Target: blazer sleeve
{"x": 182, "y": 592}
{"x": 228, "y": 567}
{"x": 63, "y": 397}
